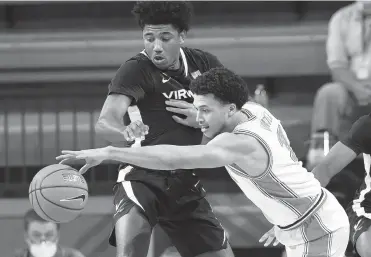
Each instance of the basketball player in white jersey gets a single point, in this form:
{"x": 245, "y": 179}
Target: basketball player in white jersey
{"x": 344, "y": 152}
{"x": 251, "y": 143}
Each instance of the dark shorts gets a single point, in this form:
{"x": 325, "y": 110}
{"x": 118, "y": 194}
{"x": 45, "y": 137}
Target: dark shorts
{"x": 175, "y": 201}
{"x": 358, "y": 225}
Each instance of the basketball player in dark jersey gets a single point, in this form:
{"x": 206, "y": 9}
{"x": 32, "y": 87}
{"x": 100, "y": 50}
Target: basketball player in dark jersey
{"x": 175, "y": 200}
{"x": 344, "y": 152}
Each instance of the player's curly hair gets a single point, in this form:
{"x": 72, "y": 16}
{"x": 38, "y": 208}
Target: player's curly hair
{"x": 31, "y": 216}
{"x": 225, "y": 85}
{"x": 177, "y": 13}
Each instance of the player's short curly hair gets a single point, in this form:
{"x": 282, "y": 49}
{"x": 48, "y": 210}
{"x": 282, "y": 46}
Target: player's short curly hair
{"x": 177, "y": 13}
{"x": 32, "y": 216}
{"x": 225, "y": 85}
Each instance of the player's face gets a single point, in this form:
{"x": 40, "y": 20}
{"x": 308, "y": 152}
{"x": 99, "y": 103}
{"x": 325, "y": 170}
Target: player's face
{"x": 41, "y": 231}
{"x": 212, "y": 115}
{"x": 162, "y": 44}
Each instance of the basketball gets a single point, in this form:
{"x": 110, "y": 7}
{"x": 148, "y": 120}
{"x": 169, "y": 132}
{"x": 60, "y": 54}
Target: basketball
{"x": 58, "y": 193}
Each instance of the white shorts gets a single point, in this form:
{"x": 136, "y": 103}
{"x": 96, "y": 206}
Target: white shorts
{"x": 324, "y": 234}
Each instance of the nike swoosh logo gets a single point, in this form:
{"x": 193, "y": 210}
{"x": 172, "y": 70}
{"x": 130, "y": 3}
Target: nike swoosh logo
{"x": 164, "y": 80}
{"x": 80, "y": 197}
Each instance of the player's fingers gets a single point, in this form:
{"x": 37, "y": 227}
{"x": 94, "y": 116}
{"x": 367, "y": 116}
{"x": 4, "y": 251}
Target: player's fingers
{"x": 64, "y": 161}
{"x": 269, "y": 241}
{"x": 138, "y": 132}
{"x": 140, "y": 128}
{"x": 129, "y": 134}
{"x": 65, "y": 156}
{"x": 276, "y": 242}
{"x": 85, "y": 168}
{"x": 179, "y": 120}
{"x": 146, "y": 129}
{"x": 70, "y": 152}
{"x": 264, "y": 237}
{"x": 126, "y": 135}
{"x": 177, "y": 110}
{"x": 178, "y": 104}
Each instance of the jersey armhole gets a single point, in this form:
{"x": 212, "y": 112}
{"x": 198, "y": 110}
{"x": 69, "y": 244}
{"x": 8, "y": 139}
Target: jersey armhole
{"x": 265, "y": 146}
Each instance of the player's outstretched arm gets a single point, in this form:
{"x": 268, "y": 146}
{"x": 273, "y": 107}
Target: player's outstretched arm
{"x": 337, "y": 159}
{"x": 224, "y": 149}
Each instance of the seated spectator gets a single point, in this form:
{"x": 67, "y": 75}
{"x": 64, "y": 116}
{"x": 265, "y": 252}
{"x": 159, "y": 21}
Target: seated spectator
{"x": 339, "y": 103}
{"x": 42, "y": 239}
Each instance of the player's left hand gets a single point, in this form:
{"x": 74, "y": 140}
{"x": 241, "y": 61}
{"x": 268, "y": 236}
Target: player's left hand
{"x": 92, "y": 157}
{"x": 268, "y": 238}
{"x": 184, "y": 108}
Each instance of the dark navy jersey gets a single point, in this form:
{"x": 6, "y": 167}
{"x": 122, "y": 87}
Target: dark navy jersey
{"x": 359, "y": 136}
{"x": 359, "y": 140}
{"x": 149, "y": 88}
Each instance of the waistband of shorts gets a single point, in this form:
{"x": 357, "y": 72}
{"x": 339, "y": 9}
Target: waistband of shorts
{"x": 312, "y": 210}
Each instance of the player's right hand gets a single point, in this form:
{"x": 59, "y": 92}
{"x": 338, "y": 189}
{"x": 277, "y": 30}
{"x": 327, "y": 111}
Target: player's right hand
{"x": 92, "y": 157}
{"x": 135, "y": 130}
{"x": 268, "y": 238}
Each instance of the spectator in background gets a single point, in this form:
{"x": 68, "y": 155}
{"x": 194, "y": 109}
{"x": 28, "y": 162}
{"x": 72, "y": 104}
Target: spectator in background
{"x": 339, "y": 103}
{"x": 42, "y": 239}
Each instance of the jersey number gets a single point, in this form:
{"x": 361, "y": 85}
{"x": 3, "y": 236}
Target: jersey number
{"x": 284, "y": 142}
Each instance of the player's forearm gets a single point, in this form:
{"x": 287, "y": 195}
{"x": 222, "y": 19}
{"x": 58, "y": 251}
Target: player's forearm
{"x": 167, "y": 157}
{"x": 111, "y": 133}
{"x": 322, "y": 174}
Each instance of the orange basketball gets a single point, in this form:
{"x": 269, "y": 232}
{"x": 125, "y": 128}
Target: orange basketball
{"x": 58, "y": 193}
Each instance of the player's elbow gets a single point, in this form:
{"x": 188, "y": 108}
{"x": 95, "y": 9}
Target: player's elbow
{"x": 101, "y": 127}
{"x": 105, "y": 130}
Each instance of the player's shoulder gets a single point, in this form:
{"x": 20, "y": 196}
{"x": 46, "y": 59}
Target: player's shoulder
{"x": 359, "y": 137}
{"x": 198, "y": 53}
{"x": 346, "y": 13}
{"x": 201, "y": 58}
{"x": 137, "y": 67}
{"x": 256, "y": 111}
{"x": 138, "y": 62}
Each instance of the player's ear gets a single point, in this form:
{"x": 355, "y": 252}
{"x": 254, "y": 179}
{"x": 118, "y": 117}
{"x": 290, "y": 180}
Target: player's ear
{"x": 182, "y": 36}
{"x": 232, "y": 109}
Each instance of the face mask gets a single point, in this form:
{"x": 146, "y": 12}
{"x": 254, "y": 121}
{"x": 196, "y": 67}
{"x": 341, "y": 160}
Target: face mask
{"x": 44, "y": 249}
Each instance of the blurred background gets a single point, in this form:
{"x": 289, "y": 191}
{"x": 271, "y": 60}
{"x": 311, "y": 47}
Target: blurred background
{"x": 57, "y": 58}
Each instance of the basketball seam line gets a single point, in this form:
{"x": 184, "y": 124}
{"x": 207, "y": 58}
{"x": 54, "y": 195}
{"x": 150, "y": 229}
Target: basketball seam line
{"x": 60, "y": 205}
{"x": 38, "y": 203}
{"x": 66, "y": 169}
{"x": 59, "y": 186}
{"x": 42, "y": 180}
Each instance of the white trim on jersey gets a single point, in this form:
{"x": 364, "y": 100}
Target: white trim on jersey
{"x": 184, "y": 62}
{"x": 184, "y": 59}
{"x": 357, "y": 208}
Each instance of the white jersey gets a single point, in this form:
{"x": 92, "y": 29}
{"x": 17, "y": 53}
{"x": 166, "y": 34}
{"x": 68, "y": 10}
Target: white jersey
{"x": 286, "y": 192}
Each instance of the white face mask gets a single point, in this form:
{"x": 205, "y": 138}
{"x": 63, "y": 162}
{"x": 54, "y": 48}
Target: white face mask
{"x": 44, "y": 249}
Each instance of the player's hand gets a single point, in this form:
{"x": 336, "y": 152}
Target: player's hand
{"x": 135, "y": 130}
{"x": 268, "y": 238}
{"x": 184, "y": 108}
{"x": 92, "y": 157}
